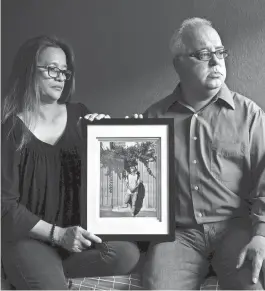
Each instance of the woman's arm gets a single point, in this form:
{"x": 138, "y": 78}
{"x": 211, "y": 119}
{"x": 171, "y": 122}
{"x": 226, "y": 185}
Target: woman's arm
{"x": 73, "y": 239}
{"x": 16, "y": 219}
{"x": 42, "y": 231}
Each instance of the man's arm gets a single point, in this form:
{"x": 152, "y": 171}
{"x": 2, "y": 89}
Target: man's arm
{"x": 255, "y": 249}
{"x": 257, "y": 154}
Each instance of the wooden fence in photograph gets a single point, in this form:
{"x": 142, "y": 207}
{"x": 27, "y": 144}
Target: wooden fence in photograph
{"x": 113, "y": 189}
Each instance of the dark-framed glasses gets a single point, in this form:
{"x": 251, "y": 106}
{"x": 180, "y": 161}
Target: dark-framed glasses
{"x": 55, "y": 72}
{"x": 206, "y": 55}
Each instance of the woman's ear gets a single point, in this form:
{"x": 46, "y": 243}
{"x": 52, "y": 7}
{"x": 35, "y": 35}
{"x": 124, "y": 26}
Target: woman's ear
{"x": 176, "y": 63}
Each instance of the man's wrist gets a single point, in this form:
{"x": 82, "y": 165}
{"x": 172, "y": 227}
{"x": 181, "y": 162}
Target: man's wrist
{"x": 57, "y": 235}
{"x": 259, "y": 229}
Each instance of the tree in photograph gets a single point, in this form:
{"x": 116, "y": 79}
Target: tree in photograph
{"x": 119, "y": 158}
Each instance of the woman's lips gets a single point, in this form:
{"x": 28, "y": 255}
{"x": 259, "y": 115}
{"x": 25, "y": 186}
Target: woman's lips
{"x": 57, "y": 88}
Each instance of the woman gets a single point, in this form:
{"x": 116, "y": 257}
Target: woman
{"x": 41, "y": 159}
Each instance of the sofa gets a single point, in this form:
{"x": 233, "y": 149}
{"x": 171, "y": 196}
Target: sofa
{"x": 125, "y": 282}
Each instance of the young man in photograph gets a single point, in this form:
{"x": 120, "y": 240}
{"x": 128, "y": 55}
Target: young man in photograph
{"x": 132, "y": 184}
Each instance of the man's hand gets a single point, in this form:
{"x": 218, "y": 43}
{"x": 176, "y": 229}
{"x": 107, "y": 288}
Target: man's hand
{"x": 96, "y": 116}
{"x": 255, "y": 252}
{"x": 75, "y": 238}
{"x": 135, "y": 116}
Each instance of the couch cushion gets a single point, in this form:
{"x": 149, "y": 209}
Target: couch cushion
{"x": 211, "y": 283}
{"x": 129, "y": 282}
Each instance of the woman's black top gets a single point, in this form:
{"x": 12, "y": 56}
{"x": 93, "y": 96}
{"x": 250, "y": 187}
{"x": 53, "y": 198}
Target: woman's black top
{"x": 41, "y": 181}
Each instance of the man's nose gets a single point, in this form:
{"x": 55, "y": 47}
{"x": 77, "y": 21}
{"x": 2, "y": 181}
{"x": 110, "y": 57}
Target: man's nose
{"x": 214, "y": 60}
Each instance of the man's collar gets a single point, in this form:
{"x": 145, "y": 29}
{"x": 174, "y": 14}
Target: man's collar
{"x": 224, "y": 94}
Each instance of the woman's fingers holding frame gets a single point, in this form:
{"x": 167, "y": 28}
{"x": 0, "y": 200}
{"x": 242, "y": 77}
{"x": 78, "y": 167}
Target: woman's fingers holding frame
{"x": 96, "y": 116}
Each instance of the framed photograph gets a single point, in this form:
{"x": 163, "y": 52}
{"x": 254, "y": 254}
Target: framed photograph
{"x": 128, "y": 179}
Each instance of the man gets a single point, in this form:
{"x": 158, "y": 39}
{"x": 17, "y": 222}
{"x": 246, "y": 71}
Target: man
{"x": 220, "y": 176}
{"x": 132, "y": 184}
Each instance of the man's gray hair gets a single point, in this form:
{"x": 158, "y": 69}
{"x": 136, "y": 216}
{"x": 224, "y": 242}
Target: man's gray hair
{"x": 176, "y": 44}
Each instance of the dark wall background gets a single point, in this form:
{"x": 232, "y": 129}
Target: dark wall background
{"x": 121, "y": 46}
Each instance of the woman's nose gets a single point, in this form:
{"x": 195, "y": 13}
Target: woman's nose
{"x": 61, "y": 77}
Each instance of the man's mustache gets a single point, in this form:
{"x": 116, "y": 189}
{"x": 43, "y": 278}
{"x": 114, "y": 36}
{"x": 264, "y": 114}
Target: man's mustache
{"x": 216, "y": 71}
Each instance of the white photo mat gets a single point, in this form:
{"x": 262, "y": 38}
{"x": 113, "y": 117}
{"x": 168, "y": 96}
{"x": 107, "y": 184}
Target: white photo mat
{"x": 126, "y": 225}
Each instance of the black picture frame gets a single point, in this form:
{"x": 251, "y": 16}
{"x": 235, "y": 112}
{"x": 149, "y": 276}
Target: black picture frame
{"x": 117, "y": 134}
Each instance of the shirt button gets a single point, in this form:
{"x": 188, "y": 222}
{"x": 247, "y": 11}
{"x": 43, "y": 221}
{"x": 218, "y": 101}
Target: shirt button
{"x": 196, "y": 115}
{"x": 195, "y": 137}
{"x": 196, "y": 188}
{"x": 194, "y": 161}
{"x": 200, "y": 214}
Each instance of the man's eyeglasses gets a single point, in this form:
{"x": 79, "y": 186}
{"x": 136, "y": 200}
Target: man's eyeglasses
{"x": 55, "y": 72}
{"x": 206, "y": 55}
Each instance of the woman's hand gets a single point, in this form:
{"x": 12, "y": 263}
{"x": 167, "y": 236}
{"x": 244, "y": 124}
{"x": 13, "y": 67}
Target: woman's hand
{"x": 91, "y": 117}
{"x": 136, "y": 115}
{"x": 74, "y": 238}
{"x": 96, "y": 116}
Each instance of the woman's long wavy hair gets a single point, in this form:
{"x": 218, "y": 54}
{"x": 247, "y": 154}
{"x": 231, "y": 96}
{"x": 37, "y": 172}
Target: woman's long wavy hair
{"x": 23, "y": 94}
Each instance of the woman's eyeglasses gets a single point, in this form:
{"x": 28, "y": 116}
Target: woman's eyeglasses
{"x": 55, "y": 72}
